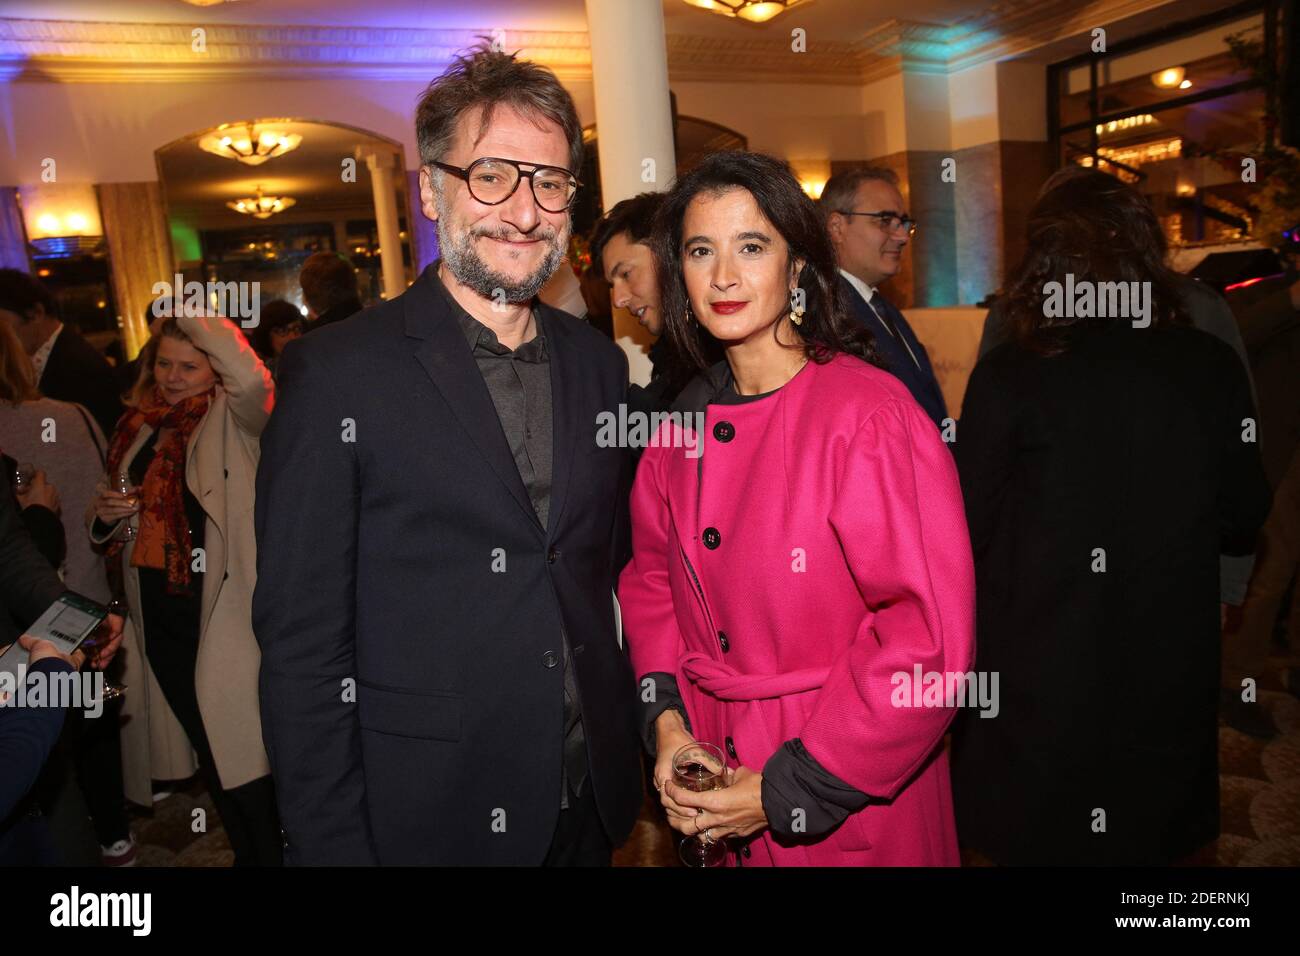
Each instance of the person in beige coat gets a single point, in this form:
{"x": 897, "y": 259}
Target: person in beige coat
{"x": 176, "y": 510}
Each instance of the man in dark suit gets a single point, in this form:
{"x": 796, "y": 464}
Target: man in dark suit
{"x": 869, "y": 229}
{"x": 67, "y": 366}
{"x": 439, "y": 533}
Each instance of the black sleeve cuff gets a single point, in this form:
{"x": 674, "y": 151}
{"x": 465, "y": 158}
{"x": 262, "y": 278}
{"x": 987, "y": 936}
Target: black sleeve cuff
{"x": 664, "y": 695}
{"x": 797, "y": 790}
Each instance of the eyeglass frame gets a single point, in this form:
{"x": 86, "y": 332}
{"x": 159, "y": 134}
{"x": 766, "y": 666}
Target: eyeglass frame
{"x": 462, "y": 173}
{"x": 886, "y": 215}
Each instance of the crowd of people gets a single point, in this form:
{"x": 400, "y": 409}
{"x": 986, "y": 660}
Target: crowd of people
{"x": 385, "y": 589}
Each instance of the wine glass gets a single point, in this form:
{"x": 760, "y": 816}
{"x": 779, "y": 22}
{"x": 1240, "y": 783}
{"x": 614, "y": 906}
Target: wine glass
{"x": 122, "y": 485}
{"x": 700, "y": 767}
{"x": 111, "y": 691}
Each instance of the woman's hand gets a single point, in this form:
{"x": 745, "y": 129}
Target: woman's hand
{"x": 734, "y": 811}
{"x": 671, "y": 736}
{"x": 111, "y": 507}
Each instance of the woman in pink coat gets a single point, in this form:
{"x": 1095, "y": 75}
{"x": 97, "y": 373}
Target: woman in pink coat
{"x": 799, "y": 559}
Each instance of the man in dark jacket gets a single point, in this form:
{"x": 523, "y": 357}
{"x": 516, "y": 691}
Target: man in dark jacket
{"x": 441, "y": 677}
{"x": 864, "y": 215}
{"x": 67, "y": 366}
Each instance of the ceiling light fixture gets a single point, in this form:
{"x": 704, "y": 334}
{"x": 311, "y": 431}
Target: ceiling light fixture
{"x": 260, "y": 206}
{"x": 755, "y": 11}
{"x": 243, "y": 142}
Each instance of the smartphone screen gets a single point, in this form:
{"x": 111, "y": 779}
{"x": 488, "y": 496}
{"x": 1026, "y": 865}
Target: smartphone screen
{"x": 69, "y": 621}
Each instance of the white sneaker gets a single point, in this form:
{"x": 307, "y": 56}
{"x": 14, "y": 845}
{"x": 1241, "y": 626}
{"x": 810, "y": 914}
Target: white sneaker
{"x": 121, "y": 853}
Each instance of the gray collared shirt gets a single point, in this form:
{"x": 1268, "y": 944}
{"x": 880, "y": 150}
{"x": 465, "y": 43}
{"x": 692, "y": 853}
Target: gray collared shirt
{"x": 519, "y": 382}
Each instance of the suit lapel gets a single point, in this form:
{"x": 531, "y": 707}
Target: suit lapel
{"x": 442, "y": 351}
{"x": 565, "y": 410}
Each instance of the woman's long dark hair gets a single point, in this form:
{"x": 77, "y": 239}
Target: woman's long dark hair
{"x": 1098, "y": 229}
{"x": 827, "y": 327}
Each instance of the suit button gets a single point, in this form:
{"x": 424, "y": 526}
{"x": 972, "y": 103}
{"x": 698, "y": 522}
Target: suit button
{"x": 724, "y": 431}
{"x": 723, "y": 642}
{"x": 550, "y": 659}
{"x": 712, "y": 538}
{"x": 553, "y": 555}
{"x": 731, "y": 749}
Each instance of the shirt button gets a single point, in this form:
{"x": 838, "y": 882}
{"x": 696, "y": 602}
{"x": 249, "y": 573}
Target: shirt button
{"x": 722, "y": 640}
{"x": 724, "y": 431}
{"x": 712, "y": 538}
{"x": 731, "y": 749}
{"x": 550, "y": 659}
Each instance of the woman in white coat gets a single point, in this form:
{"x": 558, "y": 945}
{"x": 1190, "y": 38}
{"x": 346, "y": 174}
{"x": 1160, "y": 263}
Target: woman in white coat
{"x": 183, "y": 532}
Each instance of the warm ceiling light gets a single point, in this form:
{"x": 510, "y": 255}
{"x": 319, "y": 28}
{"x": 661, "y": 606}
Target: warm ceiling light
{"x": 1185, "y": 85}
{"x": 755, "y": 11}
{"x": 247, "y": 144}
{"x": 1169, "y": 79}
{"x": 260, "y": 206}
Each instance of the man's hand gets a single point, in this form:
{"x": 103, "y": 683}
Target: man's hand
{"x": 39, "y": 491}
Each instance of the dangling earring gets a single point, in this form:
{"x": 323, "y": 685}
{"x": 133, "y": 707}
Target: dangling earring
{"x": 690, "y": 316}
{"x": 796, "y": 308}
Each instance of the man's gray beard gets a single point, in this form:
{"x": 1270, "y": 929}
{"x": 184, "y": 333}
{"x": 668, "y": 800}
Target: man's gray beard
{"x": 470, "y": 270}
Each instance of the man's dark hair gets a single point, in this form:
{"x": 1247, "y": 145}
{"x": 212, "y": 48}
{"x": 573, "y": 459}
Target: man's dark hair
{"x": 19, "y": 293}
{"x": 633, "y": 216}
{"x": 841, "y": 189}
{"x": 482, "y": 80}
{"x": 328, "y": 280}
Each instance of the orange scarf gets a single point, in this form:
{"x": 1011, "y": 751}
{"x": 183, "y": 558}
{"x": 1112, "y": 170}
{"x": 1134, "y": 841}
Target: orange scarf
{"x": 163, "y": 540}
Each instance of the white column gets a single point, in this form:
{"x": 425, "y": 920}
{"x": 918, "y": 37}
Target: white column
{"x": 381, "y": 166}
{"x": 634, "y": 124}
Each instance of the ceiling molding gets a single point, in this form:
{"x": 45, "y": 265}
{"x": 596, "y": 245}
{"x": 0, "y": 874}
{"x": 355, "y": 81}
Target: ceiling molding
{"x": 78, "y": 51}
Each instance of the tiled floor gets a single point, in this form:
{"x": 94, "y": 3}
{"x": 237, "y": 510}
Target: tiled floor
{"x": 1259, "y": 786}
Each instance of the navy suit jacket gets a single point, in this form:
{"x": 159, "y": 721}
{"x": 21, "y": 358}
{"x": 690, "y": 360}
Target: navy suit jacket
{"x": 919, "y": 381}
{"x": 398, "y": 549}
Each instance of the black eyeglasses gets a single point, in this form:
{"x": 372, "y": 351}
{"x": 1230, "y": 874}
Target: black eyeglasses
{"x": 889, "y": 220}
{"x": 492, "y": 181}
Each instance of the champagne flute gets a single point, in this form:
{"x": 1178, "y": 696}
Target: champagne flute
{"x": 700, "y": 767}
{"x": 122, "y": 485}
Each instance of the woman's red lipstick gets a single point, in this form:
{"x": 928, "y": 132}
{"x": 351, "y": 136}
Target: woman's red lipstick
{"x": 727, "y": 307}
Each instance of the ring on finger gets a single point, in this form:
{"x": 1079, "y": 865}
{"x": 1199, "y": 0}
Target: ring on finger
{"x": 707, "y": 836}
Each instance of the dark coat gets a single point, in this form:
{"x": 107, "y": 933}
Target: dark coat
{"x": 920, "y": 380}
{"x": 375, "y": 563}
{"x": 1131, "y": 442}
{"x": 75, "y": 372}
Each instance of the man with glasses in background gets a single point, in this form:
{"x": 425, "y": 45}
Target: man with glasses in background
{"x": 439, "y": 532}
{"x": 864, "y": 214}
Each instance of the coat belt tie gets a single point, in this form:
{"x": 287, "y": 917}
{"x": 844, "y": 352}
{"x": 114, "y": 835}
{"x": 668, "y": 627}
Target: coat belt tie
{"x": 726, "y": 683}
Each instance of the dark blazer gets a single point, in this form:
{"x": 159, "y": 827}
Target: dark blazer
{"x": 919, "y": 381}
{"x": 1131, "y": 442}
{"x": 375, "y": 564}
{"x": 75, "y": 372}
{"x": 28, "y": 583}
